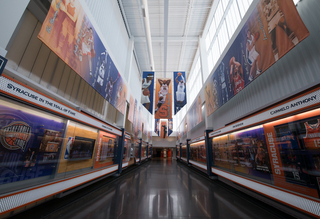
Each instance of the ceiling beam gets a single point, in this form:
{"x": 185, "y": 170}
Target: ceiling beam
{"x": 185, "y": 34}
{"x": 170, "y": 39}
{"x": 165, "y": 37}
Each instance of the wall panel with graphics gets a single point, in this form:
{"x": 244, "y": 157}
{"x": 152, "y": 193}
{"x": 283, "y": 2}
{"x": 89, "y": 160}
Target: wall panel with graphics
{"x": 293, "y": 73}
{"x": 78, "y": 162}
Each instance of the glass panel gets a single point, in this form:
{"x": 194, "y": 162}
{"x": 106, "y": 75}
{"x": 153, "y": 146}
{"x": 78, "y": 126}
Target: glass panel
{"x": 198, "y": 152}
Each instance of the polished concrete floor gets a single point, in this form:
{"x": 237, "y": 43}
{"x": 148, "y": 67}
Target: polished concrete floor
{"x": 163, "y": 189}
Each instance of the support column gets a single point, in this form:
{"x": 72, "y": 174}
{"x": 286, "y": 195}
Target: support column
{"x": 188, "y": 151}
{"x": 209, "y": 154}
{"x": 120, "y": 151}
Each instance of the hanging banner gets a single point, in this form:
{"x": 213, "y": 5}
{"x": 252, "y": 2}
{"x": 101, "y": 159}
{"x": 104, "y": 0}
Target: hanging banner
{"x": 170, "y": 126}
{"x": 147, "y": 90}
{"x": 157, "y": 126}
{"x": 68, "y": 32}
{"x": 195, "y": 114}
{"x": 164, "y": 129}
{"x": 163, "y": 99}
{"x": 131, "y": 109}
{"x": 272, "y": 30}
{"x": 180, "y": 99}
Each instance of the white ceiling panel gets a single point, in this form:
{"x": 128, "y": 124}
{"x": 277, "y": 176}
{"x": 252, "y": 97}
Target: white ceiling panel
{"x": 186, "y": 21}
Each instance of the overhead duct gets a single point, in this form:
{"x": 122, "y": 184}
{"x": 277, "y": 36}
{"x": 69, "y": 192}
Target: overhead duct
{"x": 145, "y": 13}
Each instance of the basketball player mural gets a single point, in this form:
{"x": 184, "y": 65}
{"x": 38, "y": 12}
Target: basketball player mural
{"x": 236, "y": 75}
{"x": 164, "y": 99}
{"x": 145, "y": 96}
{"x": 88, "y": 47}
{"x": 110, "y": 88}
{"x": 223, "y": 84}
{"x": 276, "y": 18}
{"x": 253, "y": 57}
{"x": 180, "y": 93}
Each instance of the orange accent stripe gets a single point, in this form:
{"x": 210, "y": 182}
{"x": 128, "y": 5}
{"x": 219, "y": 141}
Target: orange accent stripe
{"x": 51, "y": 99}
{"x": 52, "y": 193}
{"x": 278, "y": 188}
{"x": 300, "y": 209}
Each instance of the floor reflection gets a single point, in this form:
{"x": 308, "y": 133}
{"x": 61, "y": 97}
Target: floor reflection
{"x": 162, "y": 189}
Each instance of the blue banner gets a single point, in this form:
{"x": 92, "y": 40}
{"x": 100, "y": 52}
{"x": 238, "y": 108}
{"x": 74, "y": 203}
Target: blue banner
{"x": 170, "y": 126}
{"x": 179, "y": 86}
{"x": 157, "y": 126}
{"x": 147, "y": 90}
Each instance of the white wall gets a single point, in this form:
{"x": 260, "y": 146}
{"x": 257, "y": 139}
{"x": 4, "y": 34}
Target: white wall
{"x": 10, "y": 14}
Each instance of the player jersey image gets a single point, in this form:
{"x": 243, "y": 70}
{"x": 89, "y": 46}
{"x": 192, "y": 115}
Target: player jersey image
{"x": 288, "y": 140}
{"x": 238, "y": 84}
{"x": 312, "y": 138}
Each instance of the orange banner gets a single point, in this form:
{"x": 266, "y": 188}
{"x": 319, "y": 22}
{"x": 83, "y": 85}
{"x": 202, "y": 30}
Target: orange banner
{"x": 163, "y": 99}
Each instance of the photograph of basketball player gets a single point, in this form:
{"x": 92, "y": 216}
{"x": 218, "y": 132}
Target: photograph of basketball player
{"x": 110, "y": 88}
{"x": 102, "y": 70}
{"x": 275, "y": 18}
{"x": 180, "y": 93}
{"x": 121, "y": 98}
{"x": 236, "y": 75}
{"x": 163, "y": 131}
{"x": 253, "y": 57}
{"x": 162, "y": 94}
{"x": 260, "y": 158}
{"x": 312, "y": 137}
{"x": 156, "y": 127}
{"x": 88, "y": 47}
{"x": 70, "y": 10}
{"x": 50, "y": 141}
{"x": 31, "y": 157}
{"x": 209, "y": 99}
{"x": 223, "y": 84}
{"x": 145, "y": 95}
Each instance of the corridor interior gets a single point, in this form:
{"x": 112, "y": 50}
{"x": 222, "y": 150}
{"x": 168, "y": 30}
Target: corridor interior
{"x": 163, "y": 188}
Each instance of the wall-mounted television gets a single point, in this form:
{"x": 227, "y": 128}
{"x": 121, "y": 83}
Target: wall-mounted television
{"x": 82, "y": 148}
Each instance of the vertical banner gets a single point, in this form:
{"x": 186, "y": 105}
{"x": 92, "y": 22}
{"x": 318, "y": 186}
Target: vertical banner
{"x": 163, "y": 99}
{"x": 170, "y": 126}
{"x": 131, "y": 110}
{"x": 273, "y": 29}
{"x": 157, "y": 126}
{"x": 164, "y": 129}
{"x": 180, "y": 99}
{"x": 68, "y": 32}
{"x": 147, "y": 90}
